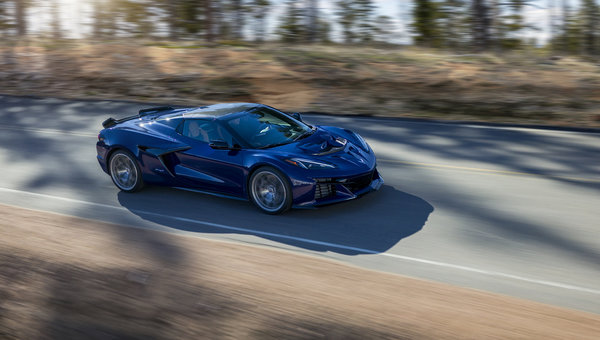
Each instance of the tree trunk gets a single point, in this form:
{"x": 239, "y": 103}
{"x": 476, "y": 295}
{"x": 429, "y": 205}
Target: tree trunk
{"x": 590, "y": 27}
{"x": 313, "y": 18}
{"x": 55, "y": 12}
{"x": 172, "y": 19}
{"x": 238, "y": 19}
{"x": 564, "y": 43}
{"x": 20, "y": 17}
{"x": 481, "y": 25}
{"x": 208, "y": 24}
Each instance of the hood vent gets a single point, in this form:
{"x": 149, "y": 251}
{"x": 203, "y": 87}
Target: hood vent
{"x": 330, "y": 151}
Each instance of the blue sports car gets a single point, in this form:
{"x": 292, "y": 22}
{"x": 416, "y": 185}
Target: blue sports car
{"x": 241, "y": 150}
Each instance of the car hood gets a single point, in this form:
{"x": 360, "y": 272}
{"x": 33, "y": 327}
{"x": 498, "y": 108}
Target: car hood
{"x": 332, "y": 145}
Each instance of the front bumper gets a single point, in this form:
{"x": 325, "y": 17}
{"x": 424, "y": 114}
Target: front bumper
{"x": 338, "y": 189}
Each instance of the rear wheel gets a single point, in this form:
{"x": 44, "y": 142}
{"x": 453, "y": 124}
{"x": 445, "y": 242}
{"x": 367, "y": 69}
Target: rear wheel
{"x": 125, "y": 172}
{"x": 270, "y": 190}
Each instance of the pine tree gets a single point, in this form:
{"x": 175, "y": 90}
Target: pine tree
{"x": 347, "y": 19}
{"x": 364, "y": 10}
{"x": 258, "y": 11}
{"x": 5, "y": 20}
{"x": 356, "y": 18}
{"x": 323, "y": 31}
{"x": 137, "y": 17}
{"x": 21, "y": 16}
{"x": 208, "y": 21}
{"x": 590, "y": 30}
{"x": 563, "y": 41}
{"x": 105, "y": 18}
{"x": 453, "y": 23}
{"x": 237, "y": 8}
{"x": 426, "y": 24}
{"x": 55, "y": 23}
{"x": 383, "y": 29}
{"x": 170, "y": 10}
{"x": 313, "y": 20}
{"x": 480, "y": 25}
{"x": 291, "y": 29}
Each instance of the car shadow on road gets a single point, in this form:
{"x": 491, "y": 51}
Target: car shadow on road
{"x": 371, "y": 224}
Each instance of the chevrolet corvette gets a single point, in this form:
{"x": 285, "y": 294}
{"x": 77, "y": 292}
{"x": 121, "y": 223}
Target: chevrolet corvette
{"x": 238, "y": 150}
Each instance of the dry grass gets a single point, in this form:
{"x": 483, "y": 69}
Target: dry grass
{"x": 515, "y": 88}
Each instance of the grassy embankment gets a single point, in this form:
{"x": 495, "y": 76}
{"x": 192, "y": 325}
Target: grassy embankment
{"x": 529, "y": 87}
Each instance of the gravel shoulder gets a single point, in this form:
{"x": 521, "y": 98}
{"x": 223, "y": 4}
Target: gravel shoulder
{"x": 66, "y": 277}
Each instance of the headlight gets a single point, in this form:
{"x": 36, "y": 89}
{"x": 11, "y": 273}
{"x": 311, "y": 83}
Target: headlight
{"x": 363, "y": 143}
{"x": 306, "y": 164}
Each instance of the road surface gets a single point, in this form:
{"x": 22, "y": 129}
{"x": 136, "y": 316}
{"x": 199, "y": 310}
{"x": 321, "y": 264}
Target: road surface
{"x": 508, "y": 210}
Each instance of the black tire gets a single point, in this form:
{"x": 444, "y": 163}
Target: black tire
{"x": 125, "y": 171}
{"x": 270, "y": 190}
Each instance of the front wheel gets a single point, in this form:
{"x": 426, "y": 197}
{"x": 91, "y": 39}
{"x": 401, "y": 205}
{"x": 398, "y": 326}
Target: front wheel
{"x": 270, "y": 191}
{"x": 125, "y": 171}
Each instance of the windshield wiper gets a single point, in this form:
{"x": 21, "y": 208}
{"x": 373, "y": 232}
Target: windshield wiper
{"x": 304, "y": 135}
{"x": 268, "y": 146}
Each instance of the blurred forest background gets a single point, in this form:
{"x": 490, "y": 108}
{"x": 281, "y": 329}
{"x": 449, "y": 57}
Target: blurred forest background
{"x": 572, "y": 26}
{"x": 510, "y": 60}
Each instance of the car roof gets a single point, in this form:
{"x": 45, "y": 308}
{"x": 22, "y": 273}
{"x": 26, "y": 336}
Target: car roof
{"x": 218, "y": 110}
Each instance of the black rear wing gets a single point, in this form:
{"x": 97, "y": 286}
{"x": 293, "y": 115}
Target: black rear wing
{"x": 152, "y": 110}
{"x": 110, "y": 122}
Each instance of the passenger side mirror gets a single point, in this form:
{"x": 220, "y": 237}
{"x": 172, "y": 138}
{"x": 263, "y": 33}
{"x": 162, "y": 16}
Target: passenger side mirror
{"x": 219, "y": 145}
{"x": 296, "y": 116}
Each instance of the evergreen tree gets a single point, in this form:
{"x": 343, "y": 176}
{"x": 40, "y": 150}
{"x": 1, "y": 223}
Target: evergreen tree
{"x": 55, "y": 17}
{"x": 364, "y": 10}
{"x": 313, "y": 20}
{"x": 323, "y": 31}
{"x": 590, "y": 30}
{"x": 291, "y": 29}
{"x": 208, "y": 21}
{"x": 21, "y": 16}
{"x": 137, "y": 16}
{"x": 258, "y": 11}
{"x": 170, "y": 10}
{"x": 480, "y": 25}
{"x": 237, "y": 8}
{"x": 347, "y": 18}
{"x": 426, "y": 23}
{"x": 5, "y": 20}
{"x": 511, "y": 23}
{"x": 105, "y": 18}
{"x": 383, "y": 29}
{"x": 356, "y": 18}
{"x": 189, "y": 14}
{"x": 453, "y": 23}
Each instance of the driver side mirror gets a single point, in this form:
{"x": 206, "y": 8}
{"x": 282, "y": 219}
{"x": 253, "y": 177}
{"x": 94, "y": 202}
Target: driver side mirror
{"x": 296, "y": 116}
{"x": 222, "y": 145}
{"x": 219, "y": 145}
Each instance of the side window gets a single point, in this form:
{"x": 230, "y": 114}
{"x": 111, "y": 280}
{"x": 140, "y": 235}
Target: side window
{"x": 197, "y": 129}
{"x": 205, "y": 131}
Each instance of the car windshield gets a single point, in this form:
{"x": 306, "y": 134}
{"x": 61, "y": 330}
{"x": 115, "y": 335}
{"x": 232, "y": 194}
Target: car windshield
{"x": 265, "y": 127}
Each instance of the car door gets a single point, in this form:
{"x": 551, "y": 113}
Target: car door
{"x": 204, "y": 168}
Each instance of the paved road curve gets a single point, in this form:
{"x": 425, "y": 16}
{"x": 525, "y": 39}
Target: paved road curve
{"x": 506, "y": 210}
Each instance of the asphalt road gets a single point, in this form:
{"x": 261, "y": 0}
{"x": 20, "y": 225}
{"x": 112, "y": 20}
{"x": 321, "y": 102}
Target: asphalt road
{"x": 507, "y": 210}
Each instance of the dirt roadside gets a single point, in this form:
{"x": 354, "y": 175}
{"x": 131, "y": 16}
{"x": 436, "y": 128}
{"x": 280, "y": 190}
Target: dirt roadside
{"x": 66, "y": 277}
